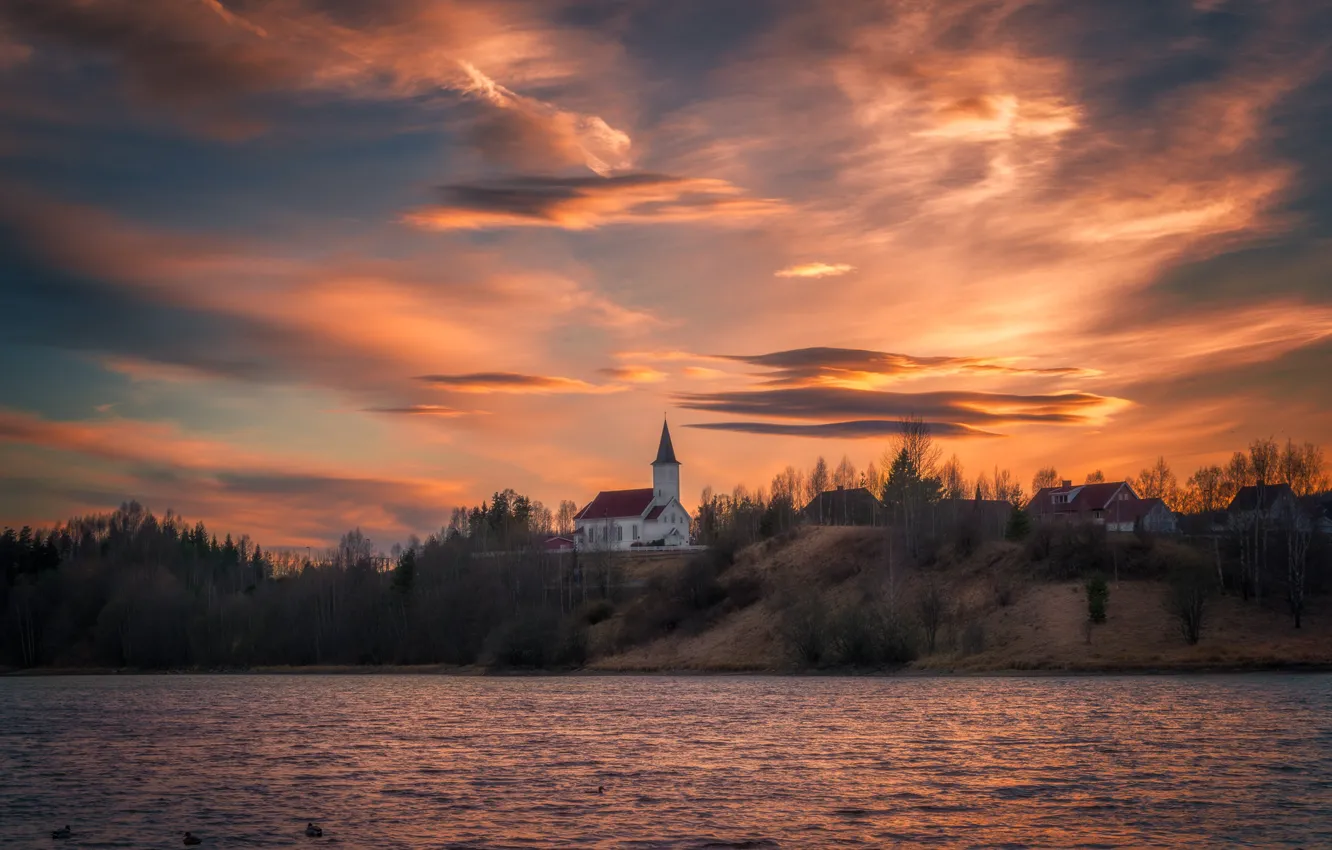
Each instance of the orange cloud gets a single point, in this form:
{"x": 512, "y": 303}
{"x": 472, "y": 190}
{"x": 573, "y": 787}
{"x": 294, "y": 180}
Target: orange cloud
{"x": 634, "y": 374}
{"x": 578, "y": 203}
{"x": 815, "y": 270}
{"x": 511, "y": 382}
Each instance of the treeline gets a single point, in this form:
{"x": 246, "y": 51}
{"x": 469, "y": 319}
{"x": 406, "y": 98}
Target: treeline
{"x": 921, "y": 491}
{"x": 128, "y": 589}
{"x": 508, "y": 520}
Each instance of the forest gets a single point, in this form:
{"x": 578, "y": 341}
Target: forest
{"x": 130, "y": 589}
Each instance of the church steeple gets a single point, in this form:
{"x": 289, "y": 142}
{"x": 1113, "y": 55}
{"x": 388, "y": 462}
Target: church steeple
{"x": 665, "y": 470}
{"x": 665, "y": 451}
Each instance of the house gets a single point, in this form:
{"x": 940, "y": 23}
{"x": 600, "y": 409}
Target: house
{"x": 558, "y": 544}
{"x": 1273, "y": 504}
{"x": 623, "y": 519}
{"x": 1319, "y": 511}
{"x": 1151, "y": 515}
{"x": 844, "y": 506}
{"x": 1102, "y": 503}
{"x": 988, "y": 516}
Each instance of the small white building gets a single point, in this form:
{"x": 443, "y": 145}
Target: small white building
{"x": 651, "y": 516}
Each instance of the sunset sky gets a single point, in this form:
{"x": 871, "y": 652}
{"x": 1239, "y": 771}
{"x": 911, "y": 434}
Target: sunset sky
{"x": 294, "y": 266}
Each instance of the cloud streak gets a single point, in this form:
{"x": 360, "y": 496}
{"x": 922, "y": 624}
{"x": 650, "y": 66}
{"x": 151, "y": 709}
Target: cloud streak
{"x": 485, "y": 383}
{"x": 584, "y": 203}
{"x": 815, "y": 270}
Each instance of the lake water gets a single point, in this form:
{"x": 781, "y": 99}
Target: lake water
{"x": 433, "y": 761}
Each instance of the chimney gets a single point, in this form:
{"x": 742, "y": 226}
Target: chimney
{"x": 1068, "y": 482}
{"x": 840, "y": 487}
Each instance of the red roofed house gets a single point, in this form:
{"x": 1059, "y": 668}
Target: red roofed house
{"x": 1112, "y": 504}
{"x": 621, "y": 519}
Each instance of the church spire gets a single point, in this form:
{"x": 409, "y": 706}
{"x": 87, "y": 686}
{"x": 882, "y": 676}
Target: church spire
{"x": 665, "y": 451}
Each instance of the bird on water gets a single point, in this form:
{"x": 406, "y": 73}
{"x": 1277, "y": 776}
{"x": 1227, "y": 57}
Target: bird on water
{"x": 191, "y": 839}
{"x": 61, "y": 833}
{"x": 312, "y": 831}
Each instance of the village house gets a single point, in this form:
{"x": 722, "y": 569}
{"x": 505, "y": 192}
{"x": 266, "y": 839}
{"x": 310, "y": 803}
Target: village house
{"x": 1272, "y": 504}
{"x": 844, "y": 506}
{"x": 1113, "y": 504}
{"x": 649, "y": 516}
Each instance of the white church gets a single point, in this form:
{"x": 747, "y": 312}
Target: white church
{"x": 651, "y": 516}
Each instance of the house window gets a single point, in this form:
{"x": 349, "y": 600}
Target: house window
{"x": 635, "y": 532}
{"x": 1060, "y": 498}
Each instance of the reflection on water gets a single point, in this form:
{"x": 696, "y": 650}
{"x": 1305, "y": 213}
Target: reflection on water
{"x": 415, "y": 761}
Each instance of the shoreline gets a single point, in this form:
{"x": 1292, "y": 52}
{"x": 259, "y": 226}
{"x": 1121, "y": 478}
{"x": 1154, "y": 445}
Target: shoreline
{"x": 898, "y": 673}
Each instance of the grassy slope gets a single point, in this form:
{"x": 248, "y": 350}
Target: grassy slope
{"x": 1041, "y": 629}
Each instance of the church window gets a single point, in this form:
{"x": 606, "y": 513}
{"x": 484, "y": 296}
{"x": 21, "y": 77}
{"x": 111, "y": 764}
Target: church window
{"x": 619, "y": 533}
{"x": 635, "y": 532}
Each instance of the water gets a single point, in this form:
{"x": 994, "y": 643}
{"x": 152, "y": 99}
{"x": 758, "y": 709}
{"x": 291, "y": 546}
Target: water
{"x": 430, "y": 761}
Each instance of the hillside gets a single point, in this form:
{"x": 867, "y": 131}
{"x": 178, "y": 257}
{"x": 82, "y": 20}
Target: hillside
{"x": 998, "y": 615}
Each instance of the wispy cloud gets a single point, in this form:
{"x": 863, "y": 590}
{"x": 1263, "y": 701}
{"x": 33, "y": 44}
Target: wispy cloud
{"x": 513, "y": 382}
{"x": 815, "y": 270}
{"x": 634, "y": 374}
{"x": 858, "y": 430}
{"x": 582, "y": 203}
{"x": 436, "y": 410}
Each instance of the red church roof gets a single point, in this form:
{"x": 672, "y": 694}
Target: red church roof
{"x": 617, "y": 503}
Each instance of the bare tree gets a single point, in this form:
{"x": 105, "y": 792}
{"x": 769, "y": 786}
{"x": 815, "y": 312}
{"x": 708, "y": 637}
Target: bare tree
{"x": 930, "y": 607}
{"x": 955, "y": 484}
{"x": 1158, "y": 482}
{"x": 1096, "y": 477}
{"x": 1302, "y": 467}
{"x": 819, "y": 477}
{"x": 873, "y": 479}
{"x": 1298, "y": 533}
{"x": 1046, "y": 476}
{"x": 1206, "y": 490}
{"x": 564, "y": 519}
{"x": 1264, "y": 465}
{"x": 845, "y": 474}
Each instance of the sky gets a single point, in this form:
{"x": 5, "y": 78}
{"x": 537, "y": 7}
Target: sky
{"x": 296, "y": 266}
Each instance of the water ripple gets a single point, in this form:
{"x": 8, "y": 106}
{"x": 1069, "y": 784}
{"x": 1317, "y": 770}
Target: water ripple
{"x": 691, "y": 762}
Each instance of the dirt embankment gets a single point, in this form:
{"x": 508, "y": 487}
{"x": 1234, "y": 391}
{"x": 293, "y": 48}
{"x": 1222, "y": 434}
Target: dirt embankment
{"x": 999, "y": 616}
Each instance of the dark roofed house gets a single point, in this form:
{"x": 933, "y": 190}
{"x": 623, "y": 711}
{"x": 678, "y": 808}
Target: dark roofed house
{"x": 1151, "y": 515}
{"x": 1275, "y": 499}
{"x": 1319, "y": 511}
{"x": 1098, "y": 503}
{"x": 844, "y": 506}
{"x": 557, "y": 544}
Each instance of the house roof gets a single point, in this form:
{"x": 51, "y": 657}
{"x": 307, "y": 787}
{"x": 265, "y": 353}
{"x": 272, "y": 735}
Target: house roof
{"x": 1081, "y": 497}
{"x": 557, "y": 543}
{"x": 665, "y": 451}
{"x": 1247, "y": 497}
{"x": 1132, "y": 510}
{"x": 617, "y": 503}
{"x": 655, "y": 512}
{"x": 856, "y": 496}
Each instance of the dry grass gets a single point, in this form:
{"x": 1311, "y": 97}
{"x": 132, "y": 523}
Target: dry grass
{"x": 1042, "y": 628}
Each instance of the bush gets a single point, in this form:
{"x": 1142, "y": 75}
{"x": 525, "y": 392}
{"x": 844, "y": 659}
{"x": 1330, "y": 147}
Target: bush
{"x": 804, "y": 631}
{"x": 597, "y": 611}
{"x": 1019, "y": 525}
{"x": 930, "y": 609}
{"x": 868, "y": 636}
{"x": 743, "y": 591}
{"x": 973, "y": 638}
{"x": 539, "y": 639}
{"x": 1098, "y": 593}
{"x": 1186, "y": 599}
{"x": 1069, "y": 550}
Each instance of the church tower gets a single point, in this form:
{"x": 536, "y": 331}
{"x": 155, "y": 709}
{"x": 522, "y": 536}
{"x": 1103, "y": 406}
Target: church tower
{"x": 665, "y": 470}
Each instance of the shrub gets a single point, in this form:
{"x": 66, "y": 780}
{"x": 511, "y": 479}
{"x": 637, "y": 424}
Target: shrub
{"x": 869, "y": 636}
{"x": 538, "y": 639}
{"x": 1186, "y": 599}
{"x": 930, "y": 610}
{"x": 973, "y": 638}
{"x": 804, "y": 630}
{"x": 1098, "y": 593}
{"x": 596, "y": 611}
{"x": 1019, "y": 525}
{"x": 743, "y": 591}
